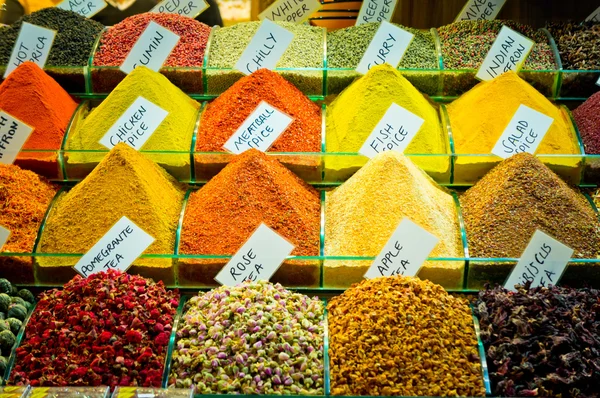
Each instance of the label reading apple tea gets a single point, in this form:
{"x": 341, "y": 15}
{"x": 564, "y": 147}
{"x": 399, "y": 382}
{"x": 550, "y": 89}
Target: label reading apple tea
{"x": 509, "y": 51}
{"x": 388, "y": 46}
{"x": 151, "y": 49}
{"x": 13, "y": 134}
{"x": 295, "y": 11}
{"x": 4, "y": 234}
{"x": 86, "y": 8}
{"x": 376, "y": 11}
{"x": 479, "y": 10}
{"x": 187, "y": 8}
{"x": 265, "y": 49}
{"x": 33, "y": 44}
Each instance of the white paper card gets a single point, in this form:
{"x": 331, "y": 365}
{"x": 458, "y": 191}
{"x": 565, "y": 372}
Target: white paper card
{"x": 13, "y": 134}
{"x": 117, "y": 249}
{"x": 376, "y": 11}
{"x": 509, "y": 51}
{"x": 265, "y": 49}
{"x": 388, "y": 46}
{"x": 394, "y": 132}
{"x": 187, "y": 8}
{"x": 524, "y": 132}
{"x": 33, "y": 44}
{"x": 479, "y": 10}
{"x": 594, "y": 17}
{"x": 4, "y": 234}
{"x": 136, "y": 125}
{"x": 257, "y": 259}
{"x": 86, "y": 8}
{"x": 152, "y": 48}
{"x": 598, "y": 81}
{"x": 260, "y": 130}
{"x": 295, "y": 11}
{"x": 543, "y": 262}
{"x": 404, "y": 253}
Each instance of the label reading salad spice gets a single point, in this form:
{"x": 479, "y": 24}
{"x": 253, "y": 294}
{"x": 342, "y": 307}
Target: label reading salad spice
{"x": 509, "y": 51}
{"x": 33, "y": 44}
{"x": 4, "y": 234}
{"x": 594, "y": 17}
{"x": 136, "y": 125}
{"x": 86, "y": 8}
{"x": 187, "y": 8}
{"x": 376, "y": 11}
{"x": 388, "y": 46}
{"x": 524, "y": 132}
{"x": 404, "y": 253}
{"x": 151, "y": 49}
{"x": 266, "y": 47}
{"x": 542, "y": 263}
{"x": 295, "y": 11}
{"x": 257, "y": 259}
{"x": 117, "y": 249}
{"x": 479, "y": 10}
{"x": 13, "y": 134}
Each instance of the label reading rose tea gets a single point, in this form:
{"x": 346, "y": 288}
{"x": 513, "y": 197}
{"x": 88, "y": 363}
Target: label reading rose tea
{"x": 388, "y": 46}
{"x": 376, "y": 11}
{"x": 187, "y": 8}
{"x": 594, "y": 17}
{"x": 295, "y": 11}
{"x": 117, "y": 249}
{"x": 266, "y": 47}
{"x": 13, "y": 134}
{"x": 152, "y": 48}
{"x": 257, "y": 259}
{"x": 33, "y": 44}
{"x": 86, "y": 8}
{"x": 509, "y": 51}
{"x": 479, "y": 10}
{"x": 4, "y": 234}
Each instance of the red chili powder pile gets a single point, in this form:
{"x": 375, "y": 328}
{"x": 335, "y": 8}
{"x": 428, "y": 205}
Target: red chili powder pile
{"x": 587, "y": 118}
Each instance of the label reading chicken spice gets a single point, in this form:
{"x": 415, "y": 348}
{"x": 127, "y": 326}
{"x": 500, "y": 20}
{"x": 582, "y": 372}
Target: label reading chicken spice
{"x": 13, "y": 134}
{"x": 33, "y": 44}
{"x": 187, "y": 8}
{"x": 594, "y": 17}
{"x": 509, "y": 51}
{"x": 542, "y": 263}
{"x": 479, "y": 10}
{"x": 376, "y": 11}
{"x": 151, "y": 49}
{"x": 388, "y": 46}
{"x": 86, "y": 8}
{"x": 295, "y": 11}
{"x": 257, "y": 259}
{"x": 4, "y": 234}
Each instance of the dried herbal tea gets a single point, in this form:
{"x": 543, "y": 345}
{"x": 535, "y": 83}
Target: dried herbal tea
{"x": 577, "y": 44}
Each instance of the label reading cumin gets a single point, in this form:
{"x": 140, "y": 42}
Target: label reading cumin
{"x": 187, "y": 8}
{"x": 33, "y": 44}
{"x": 296, "y": 11}
{"x": 479, "y": 10}
{"x": 509, "y": 51}
{"x": 388, "y": 46}
{"x": 594, "y": 17}
{"x": 13, "y": 134}
{"x": 4, "y": 234}
{"x": 86, "y": 8}
{"x": 151, "y": 49}
{"x": 376, "y": 11}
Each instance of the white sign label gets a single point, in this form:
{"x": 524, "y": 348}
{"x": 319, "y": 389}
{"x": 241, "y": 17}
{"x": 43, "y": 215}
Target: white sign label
{"x": 151, "y": 49}
{"x": 394, "y": 132}
{"x": 509, "y": 51}
{"x": 295, "y": 11}
{"x": 388, "y": 46}
{"x": 404, "y": 253}
{"x": 4, "y": 234}
{"x": 117, "y": 249}
{"x": 13, "y": 134}
{"x": 187, "y": 8}
{"x": 260, "y": 130}
{"x": 594, "y": 17}
{"x": 266, "y": 47}
{"x": 376, "y": 11}
{"x": 33, "y": 44}
{"x": 543, "y": 262}
{"x": 87, "y": 8}
{"x": 136, "y": 125}
{"x": 524, "y": 132}
{"x": 598, "y": 81}
{"x": 479, "y": 10}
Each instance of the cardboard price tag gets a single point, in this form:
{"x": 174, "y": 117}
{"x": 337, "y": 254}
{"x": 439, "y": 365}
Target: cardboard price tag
{"x": 388, "y": 46}
{"x": 13, "y": 135}
{"x": 509, "y": 52}
{"x": 296, "y": 11}
{"x": 594, "y": 17}
{"x": 187, "y": 8}
{"x": 4, "y": 235}
{"x": 86, "y": 8}
{"x": 376, "y": 11}
{"x": 478, "y": 10}
{"x": 152, "y": 48}
{"x": 33, "y": 44}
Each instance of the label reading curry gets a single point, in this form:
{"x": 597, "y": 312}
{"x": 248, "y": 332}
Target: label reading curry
{"x": 151, "y": 49}
{"x": 4, "y": 234}
{"x": 295, "y": 11}
{"x": 480, "y": 10}
{"x": 388, "y": 46}
{"x": 33, "y": 44}
{"x": 509, "y": 51}
{"x": 187, "y": 8}
{"x": 13, "y": 134}
{"x": 86, "y": 8}
{"x": 376, "y": 11}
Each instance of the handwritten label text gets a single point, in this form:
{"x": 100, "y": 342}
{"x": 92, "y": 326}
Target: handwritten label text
{"x": 388, "y": 46}
{"x": 509, "y": 51}
{"x": 266, "y": 47}
{"x": 151, "y": 49}
{"x": 33, "y": 44}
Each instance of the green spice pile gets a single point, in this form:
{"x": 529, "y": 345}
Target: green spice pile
{"x": 255, "y": 338}
{"x": 402, "y": 336}
{"x": 577, "y": 44}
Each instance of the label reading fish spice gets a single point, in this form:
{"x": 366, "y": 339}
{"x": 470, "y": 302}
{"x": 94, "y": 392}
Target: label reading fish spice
{"x": 479, "y": 10}
{"x": 594, "y": 17}
{"x": 136, "y": 125}
{"x": 33, "y": 44}
{"x": 524, "y": 132}
{"x": 187, "y": 8}
{"x": 260, "y": 130}
{"x": 394, "y": 132}
{"x": 388, "y": 46}
{"x": 13, "y": 134}
{"x": 509, "y": 51}
{"x": 404, "y": 253}
{"x": 117, "y": 249}
{"x": 542, "y": 263}
{"x": 266, "y": 47}
{"x": 376, "y": 11}
{"x": 4, "y": 234}
{"x": 152, "y": 48}
{"x": 257, "y": 259}
{"x": 295, "y": 11}
{"x": 86, "y": 8}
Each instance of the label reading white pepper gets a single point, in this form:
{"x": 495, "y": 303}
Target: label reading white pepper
{"x": 265, "y": 49}
{"x": 4, "y": 234}
{"x": 13, "y": 134}
{"x": 295, "y": 11}
{"x": 480, "y": 10}
{"x": 86, "y": 8}
{"x": 187, "y": 8}
{"x": 152, "y": 48}
{"x": 509, "y": 51}
{"x": 388, "y": 46}
{"x": 594, "y": 17}
{"x": 376, "y": 11}
{"x": 33, "y": 44}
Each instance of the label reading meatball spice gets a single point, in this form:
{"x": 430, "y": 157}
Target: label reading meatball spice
{"x": 479, "y": 10}
{"x": 13, "y": 134}
{"x": 376, "y": 11}
{"x": 86, "y": 8}
{"x": 257, "y": 259}
{"x": 187, "y": 8}
{"x": 388, "y": 46}
{"x": 509, "y": 51}
{"x": 594, "y": 17}
{"x": 295, "y": 11}
{"x": 117, "y": 249}
{"x": 4, "y": 234}
{"x": 33, "y": 44}
{"x": 151, "y": 49}
{"x": 542, "y": 263}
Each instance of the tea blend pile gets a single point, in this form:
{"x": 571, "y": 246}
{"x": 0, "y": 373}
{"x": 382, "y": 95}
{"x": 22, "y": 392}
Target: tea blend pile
{"x": 587, "y": 118}
{"x": 577, "y": 44}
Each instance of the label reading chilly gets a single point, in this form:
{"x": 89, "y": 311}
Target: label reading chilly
{"x": 33, "y": 44}
{"x": 594, "y": 17}
{"x": 376, "y": 11}
{"x": 404, "y": 253}
{"x": 4, "y": 234}
{"x": 295, "y": 11}
{"x": 266, "y": 47}
{"x": 187, "y": 8}
{"x": 257, "y": 259}
{"x": 117, "y": 249}
{"x": 388, "y": 46}
{"x": 13, "y": 134}
{"x": 151, "y": 49}
{"x": 136, "y": 125}
{"x": 509, "y": 51}
{"x": 86, "y": 8}
{"x": 542, "y": 263}
{"x": 480, "y": 10}
{"x": 524, "y": 132}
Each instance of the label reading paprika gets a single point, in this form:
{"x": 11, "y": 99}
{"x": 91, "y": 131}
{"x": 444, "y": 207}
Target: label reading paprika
{"x": 258, "y": 259}
{"x": 151, "y": 49}
{"x": 509, "y": 51}
{"x": 187, "y": 8}
{"x": 480, "y": 10}
{"x": 13, "y": 134}
{"x": 4, "y": 234}
{"x": 594, "y": 17}
{"x": 117, "y": 249}
{"x": 86, "y": 8}
{"x": 295, "y": 11}
{"x": 33, "y": 44}
{"x": 376, "y": 11}
{"x": 388, "y": 46}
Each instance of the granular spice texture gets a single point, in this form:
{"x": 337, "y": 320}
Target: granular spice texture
{"x": 577, "y": 44}
{"x": 402, "y": 336}
{"x": 587, "y": 118}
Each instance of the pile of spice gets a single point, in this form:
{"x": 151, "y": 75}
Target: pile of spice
{"x": 577, "y": 44}
{"x": 587, "y": 119}
{"x": 253, "y": 189}
{"x": 402, "y": 336}
{"x": 109, "y": 329}
{"x": 125, "y": 183}
{"x": 255, "y": 338}
{"x": 541, "y": 341}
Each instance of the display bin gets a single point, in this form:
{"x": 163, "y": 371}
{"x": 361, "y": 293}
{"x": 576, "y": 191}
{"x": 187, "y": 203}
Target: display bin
{"x": 68, "y": 392}
{"x": 71, "y": 78}
{"x": 11, "y": 362}
{"x": 13, "y": 391}
{"x": 578, "y": 84}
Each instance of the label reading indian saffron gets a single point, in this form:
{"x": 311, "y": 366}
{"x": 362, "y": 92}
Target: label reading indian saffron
{"x": 4, "y": 234}
{"x": 135, "y": 125}
{"x": 480, "y": 10}
{"x": 594, "y": 17}
{"x": 260, "y": 130}
{"x": 542, "y": 263}
{"x": 376, "y": 11}
{"x": 13, "y": 134}
{"x": 524, "y": 132}
{"x": 152, "y": 48}
{"x": 257, "y": 259}
{"x": 295, "y": 11}
{"x": 86, "y": 8}
{"x": 33, "y": 44}
{"x": 266, "y": 47}
{"x": 117, "y": 249}
{"x": 187, "y": 8}
{"x": 388, "y": 46}
{"x": 404, "y": 253}
{"x": 509, "y": 51}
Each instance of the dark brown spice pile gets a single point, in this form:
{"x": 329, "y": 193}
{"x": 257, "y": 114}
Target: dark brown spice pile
{"x": 577, "y": 44}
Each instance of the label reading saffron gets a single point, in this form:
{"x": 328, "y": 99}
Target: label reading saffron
{"x": 295, "y": 11}
{"x": 13, "y": 134}
{"x": 376, "y": 11}
{"x": 388, "y": 46}
{"x": 86, "y": 8}
{"x": 33, "y": 44}
{"x": 404, "y": 253}
{"x": 542, "y": 263}
{"x": 266, "y": 47}
{"x": 117, "y": 249}
{"x": 4, "y": 234}
{"x": 258, "y": 259}
{"x": 524, "y": 132}
{"x": 152, "y": 48}
{"x": 594, "y": 17}
{"x": 260, "y": 130}
{"x": 135, "y": 125}
{"x": 187, "y": 8}
{"x": 509, "y": 51}
{"x": 480, "y": 10}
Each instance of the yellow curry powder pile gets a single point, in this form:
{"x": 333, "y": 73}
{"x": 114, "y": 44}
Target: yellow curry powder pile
{"x": 402, "y": 336}
{"x": 125, "y": 183}
{"x": 362, "y": 214}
